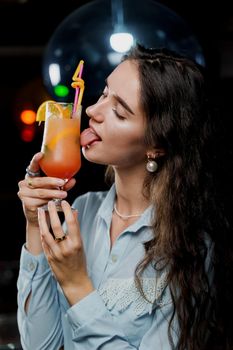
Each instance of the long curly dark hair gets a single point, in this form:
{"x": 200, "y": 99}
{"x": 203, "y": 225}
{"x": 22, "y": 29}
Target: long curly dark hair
{"x": 192, "y": 238}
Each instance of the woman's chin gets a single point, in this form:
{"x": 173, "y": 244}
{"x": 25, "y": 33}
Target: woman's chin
{"x": 88, "y": 155}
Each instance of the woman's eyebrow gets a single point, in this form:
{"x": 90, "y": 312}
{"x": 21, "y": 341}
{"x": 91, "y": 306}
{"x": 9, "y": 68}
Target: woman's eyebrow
{"x": 120, "y": 100}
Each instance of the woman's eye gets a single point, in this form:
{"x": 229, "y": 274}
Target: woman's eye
{"x": 102, "y": 96}
{"x": 104, "y": 92}
{"x": 117, "y": 114}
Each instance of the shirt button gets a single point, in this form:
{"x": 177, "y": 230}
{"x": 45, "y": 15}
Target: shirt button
{"x": 114, "y": 258}
{"x": 31, "y": 266}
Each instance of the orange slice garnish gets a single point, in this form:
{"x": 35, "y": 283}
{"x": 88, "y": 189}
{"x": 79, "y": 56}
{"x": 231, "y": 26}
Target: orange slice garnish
{"x": 55, "y": 109}
{"x": 40, "y": 114}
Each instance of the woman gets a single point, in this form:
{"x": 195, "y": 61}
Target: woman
{"x": 141, "y": 266}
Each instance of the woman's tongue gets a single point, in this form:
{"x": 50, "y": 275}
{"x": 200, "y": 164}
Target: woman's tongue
{"x": 87, "y": 137}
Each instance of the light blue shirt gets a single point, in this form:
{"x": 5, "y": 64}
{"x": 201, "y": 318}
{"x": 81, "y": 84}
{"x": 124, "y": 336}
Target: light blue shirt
{"x": 113, "y": 317}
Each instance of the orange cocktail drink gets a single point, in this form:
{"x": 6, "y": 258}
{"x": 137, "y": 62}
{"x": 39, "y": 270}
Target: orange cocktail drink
{"x": 61, "y": 141}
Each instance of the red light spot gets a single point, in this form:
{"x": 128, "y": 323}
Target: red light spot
{"x": 27, "y": 134}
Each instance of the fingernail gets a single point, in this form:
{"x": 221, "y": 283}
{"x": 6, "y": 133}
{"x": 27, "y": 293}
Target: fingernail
{"x": 60, "y": 182}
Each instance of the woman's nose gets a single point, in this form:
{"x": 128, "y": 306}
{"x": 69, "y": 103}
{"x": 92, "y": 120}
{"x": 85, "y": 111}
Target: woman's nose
{"x": 88, "y": 111}
{"x": 94, "y": 112}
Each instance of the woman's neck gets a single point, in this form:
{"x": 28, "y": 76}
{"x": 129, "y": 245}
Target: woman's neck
{"x": 129, "y": 203}
{"x": 129, "y": 193}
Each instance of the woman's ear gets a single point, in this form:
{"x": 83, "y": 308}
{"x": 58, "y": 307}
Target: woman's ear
{"x": 156, "y": 153}
{"x": 152, "y": 157}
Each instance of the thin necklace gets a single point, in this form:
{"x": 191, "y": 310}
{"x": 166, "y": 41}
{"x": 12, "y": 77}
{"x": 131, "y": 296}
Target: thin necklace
{"x": 125, "y": 217}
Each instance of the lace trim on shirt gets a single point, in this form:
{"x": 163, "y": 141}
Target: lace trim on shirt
{"x": 119, "y": 294}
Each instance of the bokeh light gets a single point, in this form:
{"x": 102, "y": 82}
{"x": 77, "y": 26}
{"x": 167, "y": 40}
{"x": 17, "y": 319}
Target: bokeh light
{"x": 27, "y": 133}
{"x": 61, "y": 90}
{"x": 28, "y": 116}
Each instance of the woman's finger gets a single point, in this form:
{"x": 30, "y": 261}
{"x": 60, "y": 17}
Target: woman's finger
{"x": 46, "y": 249}
{"x": 43, "y": 182}
{"x": 70, "y": 184}
{"x": 55, "y": 222}
{"x": 44, "y": 230}
{"x": 40, "y": 188}
{"x": 34, "y": 163}
{"x": 71, "y": 219}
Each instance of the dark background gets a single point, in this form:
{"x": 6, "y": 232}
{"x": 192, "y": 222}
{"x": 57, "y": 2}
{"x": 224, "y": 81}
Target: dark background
{"x": 25, "y": 28}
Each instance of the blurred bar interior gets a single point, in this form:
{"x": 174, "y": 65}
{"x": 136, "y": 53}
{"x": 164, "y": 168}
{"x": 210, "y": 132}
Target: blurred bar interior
{"x": 41, "y": 43}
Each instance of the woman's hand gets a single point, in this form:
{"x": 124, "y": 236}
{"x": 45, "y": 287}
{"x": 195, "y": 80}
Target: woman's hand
{"x": 37, "y": 191}
{"x": 66, "y": 257}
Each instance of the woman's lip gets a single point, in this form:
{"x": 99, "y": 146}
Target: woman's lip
{"x": 92, "y": 144}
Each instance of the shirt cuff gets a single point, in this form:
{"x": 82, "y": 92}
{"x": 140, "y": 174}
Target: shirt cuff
{"x": 31, "y": 264}
{"x": 90, "y": 307}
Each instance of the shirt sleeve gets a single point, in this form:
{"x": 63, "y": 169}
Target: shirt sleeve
{"x": 39, "y": 327}
{"x": 94, "y": 327}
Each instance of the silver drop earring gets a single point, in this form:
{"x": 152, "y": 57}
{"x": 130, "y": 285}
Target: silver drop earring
{"x": 151, "y": 165}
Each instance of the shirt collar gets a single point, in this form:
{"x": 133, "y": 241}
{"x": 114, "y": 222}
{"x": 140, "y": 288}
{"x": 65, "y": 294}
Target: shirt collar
{"x": 106, "y": 208}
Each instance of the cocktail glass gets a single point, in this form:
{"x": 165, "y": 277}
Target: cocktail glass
{"x": 61, "y": 142}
